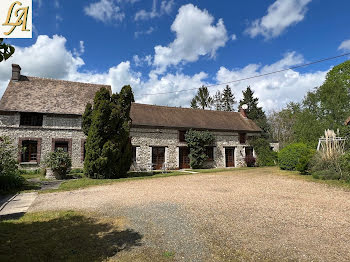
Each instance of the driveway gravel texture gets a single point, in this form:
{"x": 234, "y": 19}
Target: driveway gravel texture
{"x": 239, "y": 215}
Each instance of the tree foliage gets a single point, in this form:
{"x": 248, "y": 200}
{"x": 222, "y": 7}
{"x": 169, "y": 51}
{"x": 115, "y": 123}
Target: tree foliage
{"x": 202, "y": 99}
{"x": 325, "y": 107}
{"x": 228, "y": 99}
{"x": 6, "y": 50}
{"x": 108, "y": 145}
{"x": 217, "y": 101}
{"x": 9, "y": 175}
{"x": 197, "y": 141}
{"x": 265, "y": 156}
{"x": 254, "y": 112}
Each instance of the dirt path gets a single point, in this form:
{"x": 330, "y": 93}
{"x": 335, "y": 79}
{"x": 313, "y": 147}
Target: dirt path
{"x": 242, "y": 216}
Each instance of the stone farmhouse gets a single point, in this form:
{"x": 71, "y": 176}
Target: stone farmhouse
{"x": 42, "y": 115}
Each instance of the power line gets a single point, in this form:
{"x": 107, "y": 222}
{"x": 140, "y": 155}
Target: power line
{"x": 251, "y": 77}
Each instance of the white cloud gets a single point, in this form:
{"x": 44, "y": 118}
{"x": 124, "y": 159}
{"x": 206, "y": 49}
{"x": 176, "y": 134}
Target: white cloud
{"x": 233, "y": 37}
{"x": 280, "y": 15}
{"x": 345, "y": 45}
{"x": 166, "y": 7}
{"x": 104, "y": 11}
{"x": 274, "y": 91}
{"x": 147, "y": 32}
{"x": 188, "y": 46}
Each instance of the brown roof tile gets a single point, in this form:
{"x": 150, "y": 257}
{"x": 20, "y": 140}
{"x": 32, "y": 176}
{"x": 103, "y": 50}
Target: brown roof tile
{"x": 174, "y": 117}
{"x": 41, "y": 95}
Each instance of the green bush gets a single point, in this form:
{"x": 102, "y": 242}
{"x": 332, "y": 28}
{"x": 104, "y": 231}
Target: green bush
{"x": 9, "y": 173}
{"x": 107, "y": 125}
{"x": 295, "y": 156}
{"x": 60, "y": 162}
{"x": 197, "y": 142}
{"x": 265, "y": 156}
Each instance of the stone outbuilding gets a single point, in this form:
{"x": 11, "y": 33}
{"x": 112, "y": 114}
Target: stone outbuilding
{"x": 41, "y": 115}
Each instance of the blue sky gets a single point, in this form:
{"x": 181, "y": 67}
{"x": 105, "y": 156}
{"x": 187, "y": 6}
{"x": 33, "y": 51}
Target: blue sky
{"x": 167, "y": 45}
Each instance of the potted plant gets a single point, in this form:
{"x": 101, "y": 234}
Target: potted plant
{"x": 59, "y": 162}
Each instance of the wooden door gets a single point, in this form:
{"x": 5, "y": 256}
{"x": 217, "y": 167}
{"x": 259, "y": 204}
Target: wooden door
{"x": 184, "y": 158}
{"x": 158, "y": 157}
{"x": 230, "y": 157}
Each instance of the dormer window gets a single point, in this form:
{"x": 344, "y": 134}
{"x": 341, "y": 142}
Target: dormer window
{"x": 31, "y": 119}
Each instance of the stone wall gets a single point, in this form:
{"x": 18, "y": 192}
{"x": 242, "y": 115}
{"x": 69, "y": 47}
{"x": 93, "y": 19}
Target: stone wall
{"x": 67, "y": 128}
{"x": 146, "y": 138}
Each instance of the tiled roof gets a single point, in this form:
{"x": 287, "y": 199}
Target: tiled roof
{"x": 186, "y": 118}
{"x": 41, "y": 95}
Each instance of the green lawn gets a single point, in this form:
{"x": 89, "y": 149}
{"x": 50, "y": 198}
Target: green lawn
{"x": 64, "y": 236}
{"x": 73, "y": 236}
{"x": 84, "y": 182}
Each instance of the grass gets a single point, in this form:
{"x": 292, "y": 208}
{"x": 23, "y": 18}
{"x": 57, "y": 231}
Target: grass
{"x": 64, "y": 236}
{"x": 88, "y": 182}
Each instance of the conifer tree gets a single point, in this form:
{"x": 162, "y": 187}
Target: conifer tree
{"x": 202, "y": 99}
{"x": 228, "y": 99}
{"x": 217, "y": 100}
{"x": 108, "y": 145}
{"x": 254, "y": 112}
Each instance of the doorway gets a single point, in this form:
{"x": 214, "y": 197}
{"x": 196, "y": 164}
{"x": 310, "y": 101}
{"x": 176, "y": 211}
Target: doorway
{"x": 230, "y": 157}
{"x": 184, "y": 160}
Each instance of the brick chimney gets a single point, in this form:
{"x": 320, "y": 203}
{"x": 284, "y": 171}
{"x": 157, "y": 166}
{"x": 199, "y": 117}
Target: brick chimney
{"x": 242, "y": 110}
{"x": 16, "y": 72}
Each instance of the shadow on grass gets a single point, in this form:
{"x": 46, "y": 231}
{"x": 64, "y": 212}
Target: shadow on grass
{"x": 62, "y": 236}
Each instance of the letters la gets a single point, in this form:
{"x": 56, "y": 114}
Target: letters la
{"x": 21, "y": 14}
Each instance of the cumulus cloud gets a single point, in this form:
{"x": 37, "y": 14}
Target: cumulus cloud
{"x": 188, "y": 46}
{"x": 280, "y": 15}
{"x": 345, "y": 45}
{"x": 105, "y": 11}
{"x": 274, "y": 91}
{"x": 233, "y": 37}
{"x": 166, "y": 7}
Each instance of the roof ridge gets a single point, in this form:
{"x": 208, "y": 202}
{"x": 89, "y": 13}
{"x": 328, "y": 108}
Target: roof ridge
{"x": 63, "y": 80}
{"x": 187, "y": 108}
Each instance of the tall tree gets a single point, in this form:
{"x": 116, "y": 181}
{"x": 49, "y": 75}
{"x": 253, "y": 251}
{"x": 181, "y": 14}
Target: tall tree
{"x": 6, "y": 50}
{"x": 255, "y": 112}
{"x": 217, "y": 101}
{"x": 202, "y": 99}
{"x": 108, "y": 145}
{"x": 228, "y": 99}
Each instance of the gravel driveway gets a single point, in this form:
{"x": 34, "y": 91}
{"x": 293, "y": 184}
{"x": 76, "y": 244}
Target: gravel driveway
{"x": 230, "y": 216}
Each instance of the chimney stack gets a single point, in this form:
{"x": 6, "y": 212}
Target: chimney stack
{"x": 16, "y": 72}
{"x": 243, "y": 109}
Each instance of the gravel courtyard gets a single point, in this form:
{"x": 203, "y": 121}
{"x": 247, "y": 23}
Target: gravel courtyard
{"x": 239, "y": 215}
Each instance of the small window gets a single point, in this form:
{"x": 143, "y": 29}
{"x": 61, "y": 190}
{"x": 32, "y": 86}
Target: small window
{"x": 182, "y": 134}
{"x": 210, "y": 153}
{"x": 249, "y": 151}
{"x": 31, "y": 119}
{"x": 30, "y": 151}
{"x": 242, "y": 138}
{"x": 63, "y": 145}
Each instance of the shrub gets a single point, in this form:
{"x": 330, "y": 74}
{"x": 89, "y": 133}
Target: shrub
{"x": 107, "y": 125}
{"x": 327, "y": 174}
{"x": 295, "y": 157}
{"x": 9, "y": 173}
{"x": 250, "y": 161}
{"x": 326, "y": 168}
{"x": 197, "y": 142}
{"x": 265, "y": 156}
{"x": 60, "y": 162}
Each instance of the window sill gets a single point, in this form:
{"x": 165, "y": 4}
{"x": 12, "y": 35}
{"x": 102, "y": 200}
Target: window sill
{"x": 28, "y": 163}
